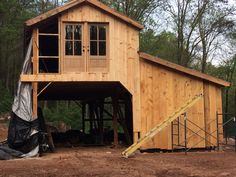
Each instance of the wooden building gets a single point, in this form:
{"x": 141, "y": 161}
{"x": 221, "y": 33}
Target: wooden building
{"x": 85, "y": 50}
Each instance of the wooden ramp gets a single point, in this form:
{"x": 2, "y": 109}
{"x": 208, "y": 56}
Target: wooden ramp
{"x": 161, "y": 126}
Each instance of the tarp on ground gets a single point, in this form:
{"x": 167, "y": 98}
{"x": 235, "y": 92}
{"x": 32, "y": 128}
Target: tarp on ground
{"x": 22, "y": 138}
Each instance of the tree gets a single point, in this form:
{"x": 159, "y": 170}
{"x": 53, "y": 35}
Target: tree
{"x": 162, "y": 45}
{"x": 215, "y": 22}
{"x": 11, "y": 30}
{"x": 198, "y": 24}
{"x": 138, "y": 10}
{"x": 12, "y": 16}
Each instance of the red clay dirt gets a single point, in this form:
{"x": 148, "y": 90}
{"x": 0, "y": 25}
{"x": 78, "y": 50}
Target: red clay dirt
{"x": 104, "y": 162}
{"x": 3, "y": 131}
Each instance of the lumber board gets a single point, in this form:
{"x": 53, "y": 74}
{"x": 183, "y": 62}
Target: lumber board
{"x": 35, "y": 100}
{"x": 35, "y": 71}
{"x": 207, "y": 112}
{"x": 159, "y": 127}
{"x": 170, "y": 89}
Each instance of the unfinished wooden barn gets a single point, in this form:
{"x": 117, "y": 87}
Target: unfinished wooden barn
{"x": 87, "y": 51}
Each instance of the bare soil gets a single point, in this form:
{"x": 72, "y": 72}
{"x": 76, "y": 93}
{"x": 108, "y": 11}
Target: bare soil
{"x": 3, "y": 131}
{"x": 105, "y": 161}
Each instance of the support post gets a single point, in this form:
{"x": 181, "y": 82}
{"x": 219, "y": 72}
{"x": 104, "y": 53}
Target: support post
{"x": 172, "y": 136}
{"x": 101, "y": 109}
{"x": 91, "y": 116}
{"x": 115, "y": 122}
{"x": 185, "y": 132}
{"x": 178, "y": 119}
{"x": 35, "y": 71}
{"x": 35, "y": 100}
{"x": 83, "y": 116}
{"x": 122, "y": 121}
{"x": 217, "y": 131}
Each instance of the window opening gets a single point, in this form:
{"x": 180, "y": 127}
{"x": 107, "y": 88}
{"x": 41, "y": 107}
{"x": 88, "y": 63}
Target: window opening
{"x": 98, "y": 39}
{"x": 73, "y": 40}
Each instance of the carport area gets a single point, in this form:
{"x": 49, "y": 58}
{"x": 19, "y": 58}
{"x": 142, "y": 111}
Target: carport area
{"x": 105, "y": 116}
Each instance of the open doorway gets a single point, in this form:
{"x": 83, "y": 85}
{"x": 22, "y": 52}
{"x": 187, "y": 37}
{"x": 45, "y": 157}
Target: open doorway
{"x": 88, "y": 113}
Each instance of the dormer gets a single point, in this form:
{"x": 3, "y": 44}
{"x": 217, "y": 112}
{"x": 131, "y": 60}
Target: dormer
{"x": 82, "y": 36}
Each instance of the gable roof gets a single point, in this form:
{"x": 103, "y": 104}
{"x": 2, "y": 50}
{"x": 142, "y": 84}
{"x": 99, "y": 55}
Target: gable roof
{"x": 73, "y": 3}
{"x": 182, "y": 69}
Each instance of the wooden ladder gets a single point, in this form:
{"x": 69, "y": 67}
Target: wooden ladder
{"x": 130, "y": 150}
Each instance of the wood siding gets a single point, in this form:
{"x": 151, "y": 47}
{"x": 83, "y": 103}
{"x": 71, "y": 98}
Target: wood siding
{"x": 123, "y": 58}
{"x": 157, "y": 90}
{"x": 163, "y": 91}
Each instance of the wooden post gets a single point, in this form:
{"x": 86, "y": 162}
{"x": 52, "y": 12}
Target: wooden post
{"x": 35, "y": 100}
{"x": 91, "y": 117}
{"x": 123, "y": 123}
{"x": 185, "y": 132}
{"x": 83, "y": 116}
{"x": 129, "y": 118}
{"x": 101, "y": 108}
{"x": 217, "y": 131}
{"x": 35, "y": 71}
{"x": 114, "y": 120}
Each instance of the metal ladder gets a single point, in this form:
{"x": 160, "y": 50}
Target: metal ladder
{"x": 130, "y": 150}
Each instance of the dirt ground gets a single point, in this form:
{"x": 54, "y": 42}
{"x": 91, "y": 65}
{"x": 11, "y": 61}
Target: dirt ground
{"x": 105, "y": 161}
{"x": 3, "y": 131}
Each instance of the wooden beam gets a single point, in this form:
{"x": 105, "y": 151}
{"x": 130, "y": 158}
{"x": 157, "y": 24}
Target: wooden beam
{"x": 101, "y": 126}
{"x": 35, "y": 71}
{"x": 35, "y": 50}
{"x": 114, "y": 121}
{"x": 122, "y": 121}
{"x": 184, "y": 70}
{"x": 83, "y": 116}
{"x": 64, "y": 77}
{"x": 35, "y": 100}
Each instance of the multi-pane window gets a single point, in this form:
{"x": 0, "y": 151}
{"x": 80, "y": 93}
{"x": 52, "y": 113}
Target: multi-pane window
{"x": 98, "y": 39}
{"x": 73, "y": 39}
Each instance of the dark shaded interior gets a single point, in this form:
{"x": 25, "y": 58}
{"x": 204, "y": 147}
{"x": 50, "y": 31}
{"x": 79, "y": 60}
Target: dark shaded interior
{"x": 48, "y": 65}
{"x": 99, "y": 102}
{"x": 81, "y": 90}
{"x": 49, "y": 27}
{"x": 48, "y": 45}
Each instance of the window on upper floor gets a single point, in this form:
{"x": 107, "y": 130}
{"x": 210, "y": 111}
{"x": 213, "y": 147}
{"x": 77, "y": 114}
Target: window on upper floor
{"x": 98, "y": 39}
{"x": 73, "y": 39}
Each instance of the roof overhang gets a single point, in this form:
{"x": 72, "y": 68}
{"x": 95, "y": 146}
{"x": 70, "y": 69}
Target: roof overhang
{"x": 184, "y": 70}
{"x": 74, "y": 3}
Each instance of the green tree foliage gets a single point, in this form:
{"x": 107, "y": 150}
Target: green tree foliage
{"x": 162, "y": 45}
{"x": 69, "y": 114}
{"x": 11, "y": 40}
{"x": 138, "y": 10}
{"x": 6, "y": 100}
{"x": 227, "y": 71}
{"x": 198, "y": 25}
